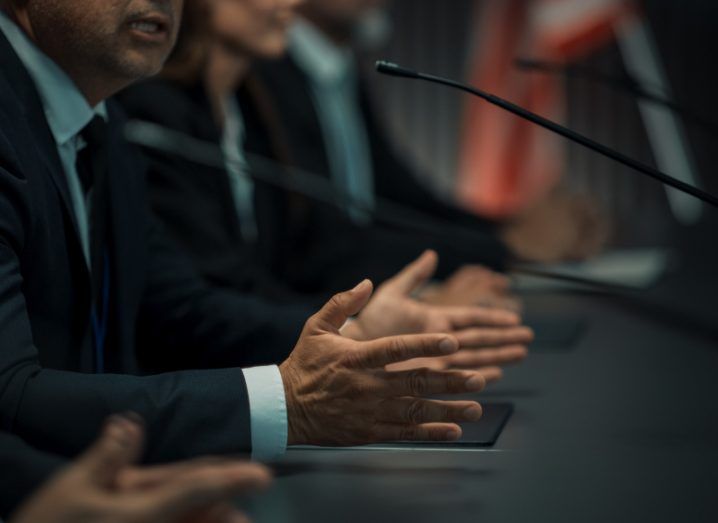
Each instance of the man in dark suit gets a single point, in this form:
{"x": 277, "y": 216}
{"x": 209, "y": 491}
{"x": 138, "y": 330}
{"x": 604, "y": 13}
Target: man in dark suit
{"x": 82, "y": 263}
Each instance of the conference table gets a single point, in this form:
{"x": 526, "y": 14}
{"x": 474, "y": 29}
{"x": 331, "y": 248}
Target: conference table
{"x": 623, "y": 426}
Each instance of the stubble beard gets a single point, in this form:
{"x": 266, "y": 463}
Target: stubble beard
{"x": 97, "y": 58}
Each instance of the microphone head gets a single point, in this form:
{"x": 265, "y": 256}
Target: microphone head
{"x": 393, "y": 69}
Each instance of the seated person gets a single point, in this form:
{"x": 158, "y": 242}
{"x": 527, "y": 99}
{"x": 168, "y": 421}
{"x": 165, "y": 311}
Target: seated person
{"x": 244, "y": 234}
{"x": 104, "y": 485}
{"x": 202, "y": 206}
{"x": 82, "y": 262}
{"x": 332, "y": 129}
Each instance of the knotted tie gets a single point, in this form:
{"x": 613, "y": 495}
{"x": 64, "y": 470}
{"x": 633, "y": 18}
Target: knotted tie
{"x": 92, "y": 168}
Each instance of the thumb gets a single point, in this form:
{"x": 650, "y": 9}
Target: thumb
{"x": 414, "y": 275}
{"x": 119, "y": 446}
{"x": 344, "y": 305}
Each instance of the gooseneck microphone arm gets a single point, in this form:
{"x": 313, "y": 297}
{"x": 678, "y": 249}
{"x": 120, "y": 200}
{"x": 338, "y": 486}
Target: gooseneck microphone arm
{"x": 392, "y": 69}
{"x": 319, "y": 189}
{"x": 310, "y": 185}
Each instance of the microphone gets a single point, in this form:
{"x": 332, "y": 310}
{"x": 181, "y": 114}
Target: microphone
{"x": 392, "y": 69}
{"x": 624, "y": 82}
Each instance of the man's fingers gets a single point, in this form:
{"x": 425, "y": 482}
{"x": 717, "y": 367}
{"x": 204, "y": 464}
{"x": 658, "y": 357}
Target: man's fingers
{"x": 415, "y": 411}
{"x": 425, "y": 382}
{"x": 418, "y": 363}
{"x": 493, "y": 337}
{"x": 500, "y": 282}
{"x": 474, "y": 359}
{"x": 491, "y": 374}
{"x": 504, "y": 302}
{"x": 119, "y": 445}
{"x": 203, "y": 487}
{"x": 344, "y": 305}
{"x": 415, "y": 274}
{"x": 463, "y": 317}
{"x": 384, "y": 351}
{"x": 141, "y": 478}
{"x": 386, "y": 432}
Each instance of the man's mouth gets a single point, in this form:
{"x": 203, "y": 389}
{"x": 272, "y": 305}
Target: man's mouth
{"x": 145, "y": 27}
{"x": 153, "y": 27}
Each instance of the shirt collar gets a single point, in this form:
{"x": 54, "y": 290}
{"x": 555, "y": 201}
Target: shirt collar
{"x": 66, "y": 109}
{"x": 318, "y": 56}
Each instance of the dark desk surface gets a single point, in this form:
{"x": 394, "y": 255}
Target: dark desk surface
{"x": 624, "y": 428}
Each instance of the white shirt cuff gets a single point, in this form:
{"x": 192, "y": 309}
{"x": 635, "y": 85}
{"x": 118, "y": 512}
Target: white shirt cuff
{"x": 267, "y": 412}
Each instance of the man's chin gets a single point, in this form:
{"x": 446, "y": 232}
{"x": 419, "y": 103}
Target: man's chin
{"x": 142, "y": 65}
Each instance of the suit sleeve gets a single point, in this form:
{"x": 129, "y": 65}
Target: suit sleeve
{"x": 187, "y": 413}
{"x": 24, "y": 471}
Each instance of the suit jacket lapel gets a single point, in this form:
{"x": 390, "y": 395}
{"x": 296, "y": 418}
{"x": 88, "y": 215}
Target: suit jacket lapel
{"x": 36, "y": 126}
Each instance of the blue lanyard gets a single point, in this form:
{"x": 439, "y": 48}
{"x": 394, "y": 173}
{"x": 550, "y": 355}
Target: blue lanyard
{"x": 99, "y": 325}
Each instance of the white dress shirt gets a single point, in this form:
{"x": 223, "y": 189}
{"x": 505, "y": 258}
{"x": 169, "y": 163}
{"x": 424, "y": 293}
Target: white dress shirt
{"x": 68, "y": 112}
{"x": 334, "y": 85}
{"x": 241, "y": 184}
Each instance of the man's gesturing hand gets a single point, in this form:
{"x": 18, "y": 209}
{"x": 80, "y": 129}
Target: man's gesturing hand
{"x": 473, "y": 285}
{"x": 339, "y": 393}
{"x": 489, "y": 338}
{"x": 393, "y": 311}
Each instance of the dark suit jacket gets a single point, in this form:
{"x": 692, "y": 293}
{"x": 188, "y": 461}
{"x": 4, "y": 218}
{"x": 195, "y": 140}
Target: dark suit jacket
{"x": 24, "y": 470}
{"x": 194, "y": 201}
{"x": 48, "y": 395}
{"x": 334, "y": 239}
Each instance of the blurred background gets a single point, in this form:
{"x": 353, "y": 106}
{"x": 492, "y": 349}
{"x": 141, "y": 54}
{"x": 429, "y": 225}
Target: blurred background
{"x": 664, "y": 45}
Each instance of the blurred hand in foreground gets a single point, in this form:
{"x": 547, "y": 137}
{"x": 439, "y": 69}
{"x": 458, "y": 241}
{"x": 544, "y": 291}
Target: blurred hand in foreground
{"x": 104, "y": 486}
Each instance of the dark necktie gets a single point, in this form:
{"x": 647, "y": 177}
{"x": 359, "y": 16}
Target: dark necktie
{"x": 92, "y": 168}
